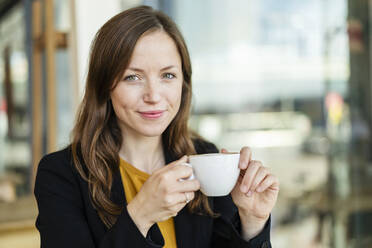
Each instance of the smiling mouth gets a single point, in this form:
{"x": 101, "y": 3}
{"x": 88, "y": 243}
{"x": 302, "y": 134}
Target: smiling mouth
{"x": 151, "y": 114}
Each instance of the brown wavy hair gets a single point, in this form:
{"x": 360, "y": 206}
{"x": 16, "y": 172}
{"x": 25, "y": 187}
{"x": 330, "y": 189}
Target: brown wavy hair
{"x": 96, "y": 137}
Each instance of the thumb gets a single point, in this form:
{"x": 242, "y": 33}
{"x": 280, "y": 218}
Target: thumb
{"x": 183, "y": 159}
{"x": 223, "y": 150}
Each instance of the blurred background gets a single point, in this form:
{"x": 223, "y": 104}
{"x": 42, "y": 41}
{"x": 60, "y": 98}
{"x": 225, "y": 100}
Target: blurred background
{"x": 291, "y": 79}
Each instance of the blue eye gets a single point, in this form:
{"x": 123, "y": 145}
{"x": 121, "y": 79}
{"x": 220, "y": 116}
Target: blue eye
{"x": 131, "y": 78}
{"x": 169, "y": 75}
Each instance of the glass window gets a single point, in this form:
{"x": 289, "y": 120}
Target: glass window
{"x": 15, "y": 150}
{"x": 67, "y": 90}
{"x": 18, "y": 208}
{"x": 278, "y": 77}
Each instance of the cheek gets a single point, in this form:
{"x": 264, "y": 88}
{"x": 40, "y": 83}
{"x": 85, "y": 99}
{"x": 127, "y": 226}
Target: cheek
{"x": 116, "y": 102}
{"x": 175, "y": 98}
{"x": 122, "y": 99}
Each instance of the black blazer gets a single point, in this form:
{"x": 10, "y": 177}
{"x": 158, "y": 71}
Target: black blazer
{"x": 67, "y": 217}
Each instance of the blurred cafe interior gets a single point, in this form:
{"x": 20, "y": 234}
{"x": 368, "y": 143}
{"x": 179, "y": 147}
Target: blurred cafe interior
{"x": 291, "y": 79}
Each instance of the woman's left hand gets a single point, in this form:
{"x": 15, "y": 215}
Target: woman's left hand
{"x": 255, "y": 193}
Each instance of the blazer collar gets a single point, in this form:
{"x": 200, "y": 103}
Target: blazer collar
{"x": 117, "y": 190}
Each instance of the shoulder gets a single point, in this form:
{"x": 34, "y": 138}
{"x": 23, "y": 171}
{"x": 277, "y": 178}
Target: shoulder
{"x": 203, "y": 146}
{"x": 57, "y": 180}
{"x": 55, "y": 168}
{"x": 57, "y": 161}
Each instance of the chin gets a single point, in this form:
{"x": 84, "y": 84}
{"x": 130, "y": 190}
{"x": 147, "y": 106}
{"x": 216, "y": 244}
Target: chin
{"x": 153, "y": 132}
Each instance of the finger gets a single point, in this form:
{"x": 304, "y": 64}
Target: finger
{"x": 189, "y": 196}
{"x": 261, "y": 174}
{"x": 180, "y": 172}
{"x": 184, "y": 197}
{"x": 188, "y": 186}
{"x": 171, "y": 201}
{"x": 270, "y": 182}
{"x": 174, "y": 210}
{"x": 249, "y": 175}
{"x": 170, "y": 178}
{"x": 169, "y": 166}
{"x": 223, "y": 150}
{"x": 179, "y": 162}
{"x": 245, "y": 157}
{"x": 241, "y": 176}
{"x": 182, "y": 160}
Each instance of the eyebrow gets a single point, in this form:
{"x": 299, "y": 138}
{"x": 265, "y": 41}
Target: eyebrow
{"x": 140, "y": 70}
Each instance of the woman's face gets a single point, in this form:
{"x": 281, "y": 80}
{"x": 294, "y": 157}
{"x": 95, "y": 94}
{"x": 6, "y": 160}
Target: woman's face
{"x": 148, "y": 97}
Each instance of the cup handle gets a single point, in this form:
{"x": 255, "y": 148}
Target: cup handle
{"x": 190, "y": 177}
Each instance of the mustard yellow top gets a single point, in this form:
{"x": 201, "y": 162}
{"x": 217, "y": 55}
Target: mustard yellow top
{"x": 133, "y": 179}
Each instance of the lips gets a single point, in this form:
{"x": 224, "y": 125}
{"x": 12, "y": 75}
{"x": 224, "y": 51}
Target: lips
{"x": 151, "y": 114}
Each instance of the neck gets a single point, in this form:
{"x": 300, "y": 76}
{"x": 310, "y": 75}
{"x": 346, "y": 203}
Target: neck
{"x": 144, "y": 153}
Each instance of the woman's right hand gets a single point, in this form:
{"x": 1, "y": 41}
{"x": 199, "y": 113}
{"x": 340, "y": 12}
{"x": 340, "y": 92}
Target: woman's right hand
{"x": 163, "y": 195}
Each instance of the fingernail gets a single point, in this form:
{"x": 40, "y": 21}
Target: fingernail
{"x": 241, "y": 165}
{"x": 244, "y": 188}
{"x": 249, "y": 194}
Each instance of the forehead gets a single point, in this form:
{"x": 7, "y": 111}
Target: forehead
{"x": 155, "y": 48}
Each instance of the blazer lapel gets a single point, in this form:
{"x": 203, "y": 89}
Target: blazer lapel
{"x": 186, "y": 235}
{"x": 193, "y": 230}
{"x": 117, "y": 190}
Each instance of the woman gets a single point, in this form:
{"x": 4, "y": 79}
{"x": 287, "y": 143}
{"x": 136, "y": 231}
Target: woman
{"x": 118, "y": 183}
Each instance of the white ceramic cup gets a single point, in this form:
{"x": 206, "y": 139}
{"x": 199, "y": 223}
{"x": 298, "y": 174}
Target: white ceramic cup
{"x": 216, "y": 172}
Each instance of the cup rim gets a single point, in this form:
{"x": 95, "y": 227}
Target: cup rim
{"x": 213, "y": 154}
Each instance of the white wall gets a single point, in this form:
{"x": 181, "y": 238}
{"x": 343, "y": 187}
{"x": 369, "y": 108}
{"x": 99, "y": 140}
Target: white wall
{"x": 90, "y": 15}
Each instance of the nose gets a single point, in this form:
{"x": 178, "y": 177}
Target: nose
{"x": 152, "y": 92}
